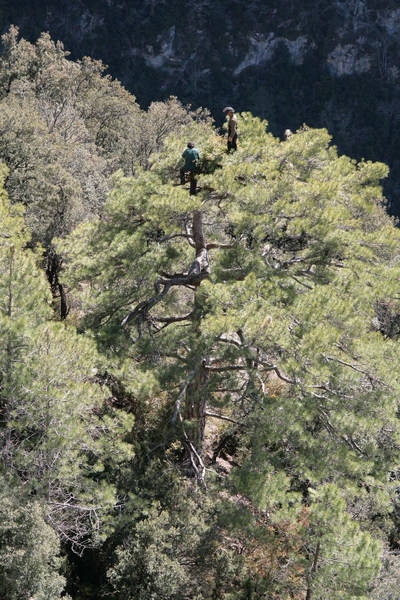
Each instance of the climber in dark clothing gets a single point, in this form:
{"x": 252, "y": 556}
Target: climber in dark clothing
{"x": 191, "y": 156}
{"x": 232, "y": 128}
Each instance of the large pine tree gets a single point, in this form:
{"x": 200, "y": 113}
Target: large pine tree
{"x": 254, "y": 306}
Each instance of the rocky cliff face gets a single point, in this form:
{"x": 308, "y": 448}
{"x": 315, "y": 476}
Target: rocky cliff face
{"x": 323, "y": 62}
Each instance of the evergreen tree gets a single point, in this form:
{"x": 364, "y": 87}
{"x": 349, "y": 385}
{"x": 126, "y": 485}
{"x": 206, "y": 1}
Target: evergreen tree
{"x": 65, "y": 127}
{"x": 253, "y": 303}
{"x": 58, "y": 431}
{"x": 29, "y": 548}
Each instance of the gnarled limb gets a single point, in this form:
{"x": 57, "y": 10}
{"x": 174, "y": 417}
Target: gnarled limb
{"x": 198, "y": 270}
{"x": 142, "y": 309}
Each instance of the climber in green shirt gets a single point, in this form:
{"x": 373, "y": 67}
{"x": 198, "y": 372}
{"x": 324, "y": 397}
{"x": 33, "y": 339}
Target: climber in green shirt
{"x": 191, "y": 156}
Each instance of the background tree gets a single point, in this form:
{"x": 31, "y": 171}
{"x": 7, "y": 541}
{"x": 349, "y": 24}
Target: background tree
{"x": 29, "y": 555}
{"x": 65, "y": 128}
{"x": 57, "y": 429}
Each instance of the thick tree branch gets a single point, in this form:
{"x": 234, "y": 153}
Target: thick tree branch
{"x": 223, "y": 418}
{"x": 166, "y": 238}
{"x": 174, "y": 319}
{"x": 225, "y": 368}
{"x": 213, "y": 245}
{"x": 256, "y": 362}
{"x": 312, "y": 571}
{"x": 171, "y": 275}
{"x": 229, "y": 341}
{"x": 198, "y": 270}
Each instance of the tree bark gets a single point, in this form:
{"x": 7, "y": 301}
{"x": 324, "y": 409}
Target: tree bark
{"x": 312, "y": 571}
{"x": 53, "y": 267}
{"x": 198, "y": 270}
{"x": 195, "y": 398}
{"x": 195, "y": 408}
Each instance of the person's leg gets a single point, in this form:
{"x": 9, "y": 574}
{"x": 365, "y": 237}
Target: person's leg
{"x": 182, "y": 172}
{"x": 234, "y": 142}
{"x": 193, "y": 183}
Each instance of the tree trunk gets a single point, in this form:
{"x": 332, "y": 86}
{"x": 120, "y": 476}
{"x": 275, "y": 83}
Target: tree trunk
{"x": 312, "y": 571}
{"x": 195, "y": 398}
{"x": 191, "y": 398}
{"x": 53, "y": 267}
{"x": 195, "y": 409}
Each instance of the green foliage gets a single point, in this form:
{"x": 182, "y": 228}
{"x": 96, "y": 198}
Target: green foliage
{"x": 57, "y": 432}
{"x": 166, "y": 542}
{"x": 149, "y": 564}
{"x": 65, "y": 127}
{"x": 342, "y": 559}
{"x": 29, "y": 548}
{"x": 44, "y": 141}
{"x": 61, "y": 433}
{"x": 276, "y": 60}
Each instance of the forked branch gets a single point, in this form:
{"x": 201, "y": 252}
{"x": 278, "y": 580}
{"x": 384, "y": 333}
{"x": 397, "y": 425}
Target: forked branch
{"x": 198, "y": 270}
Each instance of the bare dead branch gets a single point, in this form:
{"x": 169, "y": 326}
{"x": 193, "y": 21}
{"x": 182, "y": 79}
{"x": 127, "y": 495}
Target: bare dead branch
{"x": 181, "y": 396}
{"x": 213, "y": 245}
{"x": 198, "y": 468}
{"x": 174, "y": 319}
{"x": 223, "y": 418}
